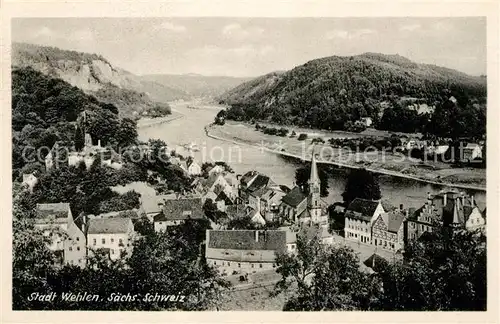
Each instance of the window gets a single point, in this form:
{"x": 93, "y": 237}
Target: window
{"x": 112, "y": 251}
{"x": 260, "y": 265}
{"x": 95, "y": 242}
{"x": 103, "y": 241}
{"x": 112, "y": 240}
{"x": 78, "y": 248}
{"x": 215, "y": 262}
{"x": 120, "y": 241}
{"x": 252, "y": 265}
{"x": 239, "y": 265}
{"x": 274, "y": 265}
{"x": 77, "y": 239}
{"x": 70, "y": 248}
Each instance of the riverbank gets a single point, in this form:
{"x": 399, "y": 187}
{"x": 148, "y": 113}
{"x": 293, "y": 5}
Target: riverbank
{"x": 147, "y": 122}
{"x": 388, "y": 164}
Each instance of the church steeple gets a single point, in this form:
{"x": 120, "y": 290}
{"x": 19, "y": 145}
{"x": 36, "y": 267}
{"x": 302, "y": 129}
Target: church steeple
{"x": 314, "y": 200}
{"x": 313, "y": 178}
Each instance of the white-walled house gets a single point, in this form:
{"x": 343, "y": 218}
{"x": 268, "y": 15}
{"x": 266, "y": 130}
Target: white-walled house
{"x": 113, "y": 235}
{"x": 244, "y": 251}
{"x": 359, "y": 217}
{"x": 67, "y": 236}
{"x": 29, "y": 181}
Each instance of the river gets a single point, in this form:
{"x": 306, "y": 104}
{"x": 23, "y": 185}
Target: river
{"x": 242, "y": 158}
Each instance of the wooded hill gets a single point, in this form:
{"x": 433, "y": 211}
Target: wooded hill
{"x": 95, "y": 75}
{"x": 328, "y": 92}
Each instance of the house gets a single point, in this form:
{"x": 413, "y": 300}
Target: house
{"x": 66, "y": 234}
{"x": 270, "y": 202}
{"x": 359, "y": 217}
{"x": 217, "y": 183}
{"x": 293, "y": 205}
{"x": 29, "y": 181}
{"x": 448, "y": 208}
{"x": 114, "y": 236}
{"x": 193, "y": 168}
{"x": 388, "y": 230}
{"x": 151, "y": 205}
{"x": 367, "y": 121}
{"x": 472, "y": 151}
{"x": 177, "y": 211}
{"x": 244, "y": 251}
{"x": 253, "y": 181}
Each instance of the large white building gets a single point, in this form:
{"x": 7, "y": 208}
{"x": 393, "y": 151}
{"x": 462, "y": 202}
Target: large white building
{"x": 113, "y": 235}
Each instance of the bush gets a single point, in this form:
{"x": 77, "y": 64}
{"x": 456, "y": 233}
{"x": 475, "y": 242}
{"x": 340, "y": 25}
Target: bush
{"x": 302, "y": 137}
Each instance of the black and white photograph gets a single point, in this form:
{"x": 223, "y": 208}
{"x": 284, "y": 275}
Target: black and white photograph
{"x": 282, "y": 164}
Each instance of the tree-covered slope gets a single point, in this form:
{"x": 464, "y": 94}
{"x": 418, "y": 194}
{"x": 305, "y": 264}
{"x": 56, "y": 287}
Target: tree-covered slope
{"x": 47, "y": 110}
{"x": 328, "y": 92}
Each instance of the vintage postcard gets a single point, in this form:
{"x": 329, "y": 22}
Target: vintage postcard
{"x": 183, "y": 164}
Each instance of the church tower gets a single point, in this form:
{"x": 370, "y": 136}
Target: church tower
{"x": 314, "y": 201}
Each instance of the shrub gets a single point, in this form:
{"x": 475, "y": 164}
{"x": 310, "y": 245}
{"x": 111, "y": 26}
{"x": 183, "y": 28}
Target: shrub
{"x": 302, "y": 137}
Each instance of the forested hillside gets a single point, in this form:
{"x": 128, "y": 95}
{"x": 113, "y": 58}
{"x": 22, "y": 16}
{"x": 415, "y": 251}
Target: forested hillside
{"x": 45, "y": 110}
{"x": 329, "y": 92}
{"x": 95, "y": 75}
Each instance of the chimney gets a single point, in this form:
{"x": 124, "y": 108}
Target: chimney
{"x": 99, "y": 143}
{"x": 472, "y": 200}
{"x": 463, "y": 199}
{"x": 400, "y": 206}
{"x": 256, "y": 236}
{"x": 428, "y": 195}
{"x": 445, "y": 196}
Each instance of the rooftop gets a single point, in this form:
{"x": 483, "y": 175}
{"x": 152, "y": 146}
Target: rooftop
{"x": 108, "y": 225}
{"x": 294, "y": 197}
{"x": 181, "y": 209}
{"x": 247, "y": 240}
{"x": 55, "y": 211}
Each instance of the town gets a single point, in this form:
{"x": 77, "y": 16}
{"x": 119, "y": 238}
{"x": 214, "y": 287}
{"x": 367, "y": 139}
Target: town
{"x": 260, "y": 218}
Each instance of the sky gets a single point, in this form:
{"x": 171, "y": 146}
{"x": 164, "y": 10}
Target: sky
{"x": 246, "y": 47}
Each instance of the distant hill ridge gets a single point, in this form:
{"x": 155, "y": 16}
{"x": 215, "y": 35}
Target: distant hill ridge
{"x": 327, "y": 92}
{"x": 95, "y": 75}
{"x": 196, "y": 85}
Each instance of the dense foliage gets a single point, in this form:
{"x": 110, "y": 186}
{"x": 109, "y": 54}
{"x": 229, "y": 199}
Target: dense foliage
{"x": 440, "y": 271}
{"x": 334, "y": 92}
{"x": 361, "y": 184}
{"x": 47, "y": 110}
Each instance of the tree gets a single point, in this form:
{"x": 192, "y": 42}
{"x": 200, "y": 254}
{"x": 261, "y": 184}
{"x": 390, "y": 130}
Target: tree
{"x": 303, "y": 174}
{"x": 79, "y": 139}
{"x": 242, "y": 223}
{"x": 325, "y": 277}
{"x": 361, "y": 184}
{"x": 32, "y": 262}
{"x": 442, "y": 271}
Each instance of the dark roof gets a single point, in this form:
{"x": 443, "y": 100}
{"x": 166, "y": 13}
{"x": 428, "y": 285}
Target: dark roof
{"x": 57, "y": 211}
{"x": 260, "y": 182}
{"x": 209, "y": 182}
{"x": 259, "y": 192}
{"x": 108, "y": 225}
{"x": 181, "y": 209}
{"x": 294, "y": 197}
{"x": 222, "y": 196}
{"x": 364, "y": 207}
{"x": 248, "y": 176}
{"x": 395, "y": 219}
{"x": 452, "y": 213}
{"x": 246, "y": 240}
